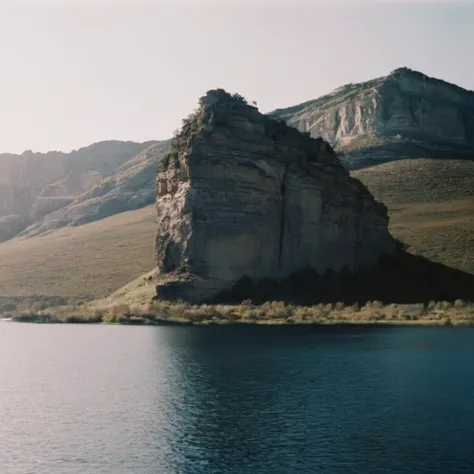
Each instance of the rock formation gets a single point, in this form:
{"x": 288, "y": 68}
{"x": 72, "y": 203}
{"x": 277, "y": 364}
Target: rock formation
{"x": 241, "y": 194}
{"x": 403, "y": 115}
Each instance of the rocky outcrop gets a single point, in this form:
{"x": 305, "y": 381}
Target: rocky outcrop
{"x": 242, "y": 194}
{"x": 403, "y": 115}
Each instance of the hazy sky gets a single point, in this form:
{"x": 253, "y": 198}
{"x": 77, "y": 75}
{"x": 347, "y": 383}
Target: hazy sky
{"x": 77, "y": 71}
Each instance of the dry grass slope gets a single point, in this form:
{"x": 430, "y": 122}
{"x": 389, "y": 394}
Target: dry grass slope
{"x": 90, "y": 261}
{"x": 431, "y": 206}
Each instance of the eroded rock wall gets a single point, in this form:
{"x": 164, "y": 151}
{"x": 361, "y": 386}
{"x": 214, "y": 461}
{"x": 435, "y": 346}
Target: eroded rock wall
{"x": 245, "y": 195}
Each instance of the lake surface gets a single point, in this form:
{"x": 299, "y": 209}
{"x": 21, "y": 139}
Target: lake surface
{"x": 235, "y": 400}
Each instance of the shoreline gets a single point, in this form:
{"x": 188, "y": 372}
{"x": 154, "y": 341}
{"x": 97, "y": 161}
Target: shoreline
{"x": 270, "y": 313}
{"x": 268, "y": 323}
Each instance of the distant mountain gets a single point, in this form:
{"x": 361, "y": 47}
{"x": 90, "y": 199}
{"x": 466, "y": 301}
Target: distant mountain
{"x": 403, "y": 115}
{"x": 34, "y": 185}
{"x": 130, "y": 186}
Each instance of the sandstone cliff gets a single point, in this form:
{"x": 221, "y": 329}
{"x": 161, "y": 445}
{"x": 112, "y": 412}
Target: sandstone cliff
{"x": 403, "y": 115}
{"x": 241, "y": 194}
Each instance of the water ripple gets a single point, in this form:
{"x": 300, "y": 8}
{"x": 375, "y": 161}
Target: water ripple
{"x": 114, "y": 400}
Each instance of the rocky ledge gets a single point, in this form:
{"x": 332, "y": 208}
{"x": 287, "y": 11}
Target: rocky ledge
{"x": 241, "y": 194}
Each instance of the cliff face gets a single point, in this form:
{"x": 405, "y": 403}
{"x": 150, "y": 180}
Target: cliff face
{"x": 241, "y": 194}
{"x": 403, "y": 115}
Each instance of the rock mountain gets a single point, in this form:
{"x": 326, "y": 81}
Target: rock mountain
{"x": 403, "y": 115}
{"x": 240, "y": 194}
{"x": 41, "y": 192}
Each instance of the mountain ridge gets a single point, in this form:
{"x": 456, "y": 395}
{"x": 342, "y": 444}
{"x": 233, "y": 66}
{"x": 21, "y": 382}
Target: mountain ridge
{"x": 130, "y": 187}
{"x": 405, "y": 114}
{"x": 399, "y": 70}
{"x": 35, "y": 185}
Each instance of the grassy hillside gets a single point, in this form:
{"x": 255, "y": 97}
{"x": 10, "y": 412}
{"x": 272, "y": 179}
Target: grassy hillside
{"x": 431, "y": 204}
{"x": 82, "y": 262}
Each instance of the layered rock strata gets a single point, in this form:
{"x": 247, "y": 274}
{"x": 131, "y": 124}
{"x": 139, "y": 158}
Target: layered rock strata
{"x": 403, "y": 115}
{"x": 241, "y": 194}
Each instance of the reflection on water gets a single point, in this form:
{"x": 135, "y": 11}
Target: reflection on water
{"x": 104, "y": 399}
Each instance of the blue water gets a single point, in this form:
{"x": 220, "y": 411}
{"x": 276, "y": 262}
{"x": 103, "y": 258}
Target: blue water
{"x": 138, "y": 400}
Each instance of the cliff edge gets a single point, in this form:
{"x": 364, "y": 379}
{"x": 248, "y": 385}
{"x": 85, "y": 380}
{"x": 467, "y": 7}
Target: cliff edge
{"x": 241, "y": 194}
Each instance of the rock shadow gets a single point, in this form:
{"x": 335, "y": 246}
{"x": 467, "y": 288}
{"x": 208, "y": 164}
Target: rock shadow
{"x": 401, "y": 278}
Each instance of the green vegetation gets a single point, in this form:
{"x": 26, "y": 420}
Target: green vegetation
{"x": 191, "y": 125}
{"x": 239, "y": 98}
{"x": 182, "y": 139}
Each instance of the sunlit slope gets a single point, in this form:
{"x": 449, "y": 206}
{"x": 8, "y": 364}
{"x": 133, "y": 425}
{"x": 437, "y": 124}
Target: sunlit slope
{"x": 89, "y": 261}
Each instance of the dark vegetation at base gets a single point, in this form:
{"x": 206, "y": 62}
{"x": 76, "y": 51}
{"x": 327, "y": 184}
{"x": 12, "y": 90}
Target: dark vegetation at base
{"x": 51, "y": 319}
{"x": 36, "y": 303}
{"x": 401, "y": 278}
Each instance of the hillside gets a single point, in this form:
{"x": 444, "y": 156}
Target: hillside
{"x": 431, "y": 206}
{"x": 82, "y": 262}
{"x": 33, "y": 185}
{"x": 403, "y": 115}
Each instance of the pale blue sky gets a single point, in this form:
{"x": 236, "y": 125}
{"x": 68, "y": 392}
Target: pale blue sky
{"x": 74, "y": 72}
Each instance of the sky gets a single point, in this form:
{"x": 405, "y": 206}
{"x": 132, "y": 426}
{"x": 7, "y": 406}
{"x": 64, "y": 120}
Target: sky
{"x": 74, "y": 72}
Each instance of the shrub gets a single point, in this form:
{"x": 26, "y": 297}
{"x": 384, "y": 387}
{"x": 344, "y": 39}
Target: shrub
{"x": 460, "y": 304}
{"x": 239, "y": 98}
{"x": 446, "y": 305}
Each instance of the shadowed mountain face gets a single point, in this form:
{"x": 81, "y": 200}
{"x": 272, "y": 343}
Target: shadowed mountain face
{"x": 40, "y": 192}
{"x": 403, "y": 115}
